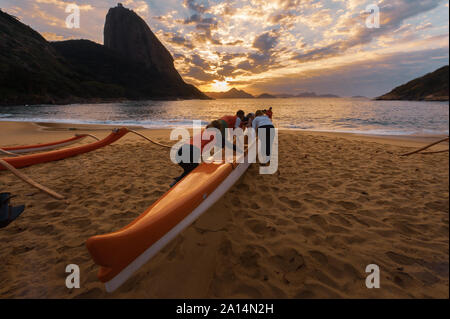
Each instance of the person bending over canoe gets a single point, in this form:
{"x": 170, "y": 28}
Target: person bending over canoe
{"x": 263, "y": 122}
{"x": 249, "y": 119}
{"x": 196, "y": 151}
{"x": 233, "y": 122}
{"x": 269, "y": 113}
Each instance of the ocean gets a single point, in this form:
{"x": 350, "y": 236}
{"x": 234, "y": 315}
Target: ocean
{"x": 351, "y": 115}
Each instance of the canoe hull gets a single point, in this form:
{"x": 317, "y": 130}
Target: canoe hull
{"x": 121, "y": 253}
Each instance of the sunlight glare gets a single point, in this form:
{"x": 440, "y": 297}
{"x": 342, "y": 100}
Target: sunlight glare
{"x": 220, "y": 86}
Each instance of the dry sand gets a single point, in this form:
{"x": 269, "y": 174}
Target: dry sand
{"x": 339, "y": 203}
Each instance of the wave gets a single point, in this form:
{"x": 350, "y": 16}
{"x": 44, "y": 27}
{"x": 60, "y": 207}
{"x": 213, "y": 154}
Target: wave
{"x": 160, "y": 124}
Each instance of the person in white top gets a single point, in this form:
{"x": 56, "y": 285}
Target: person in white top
{"x": 262, "y": 122}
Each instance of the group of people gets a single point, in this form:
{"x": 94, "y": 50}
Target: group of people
{"x": 240, "y": 120}
{"x": 260, "y": 120}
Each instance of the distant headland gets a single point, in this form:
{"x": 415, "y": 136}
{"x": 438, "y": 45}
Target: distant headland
{"x": 241, "y": 94}
{"x": 431, "y": 87}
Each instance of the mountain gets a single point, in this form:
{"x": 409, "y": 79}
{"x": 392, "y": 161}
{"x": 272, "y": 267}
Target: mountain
{"x": 266, "y": 96}
{"x": 313, "y": 94}
{"x": 240, "y": 94}
{"x": 34, "y": 71}
{"x": 31, "y": 71}
{"x": 307, "y": 94}
{"x": 231, "y": 94}
{"x": 128, "y": 34}
{"x": 285, "y": 96}
{"x": 329, "y": 95}
{"x": 99, "y": 66}
{"x": 431, "y": 87}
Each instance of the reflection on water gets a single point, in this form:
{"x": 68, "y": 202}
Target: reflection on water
{"x": 321, "y": 114}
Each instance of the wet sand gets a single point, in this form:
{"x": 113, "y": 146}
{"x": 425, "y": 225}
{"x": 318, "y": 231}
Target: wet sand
{"x": 338, "y": 203}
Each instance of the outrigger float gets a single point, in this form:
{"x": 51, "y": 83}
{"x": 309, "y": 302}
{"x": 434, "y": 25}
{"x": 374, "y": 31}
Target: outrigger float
{"x": 122, "y": 253}
{"x": 47, "y": 146}
{"x": 39, "y": 158}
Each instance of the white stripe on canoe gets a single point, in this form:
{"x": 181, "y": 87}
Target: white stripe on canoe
{"x": 210, "y": 200}
{"x": 46, "y": 148}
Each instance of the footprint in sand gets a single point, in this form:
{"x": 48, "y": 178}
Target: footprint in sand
{"x": 336, "y": 184}
{"x": 401, "y": 259}
{"x": 282, "y": 222}
{"x": 79, "y": 222}
{"x": 291, "y": 203}
{"x": 45, "y": 230}
{"x": 426, "y": 278}
{"x": 342, "y": 220}
{"x": 260, "y": 227}
{"x": 226, "y": 248}
{"x": 54, "y": 205}
{"x": 441, "y": 206}
{"x": 318, "y": 256}
{"x": 324, "y": 279}
{"x": 247, "y": 291}
{"x": 249, "y": 258}
{"x": 21, "y": 250}
{"x": 243, "y": 187}
{"x": 403, "y": 280}
{"x": 55, "y": 214}
{"x": 307, "y": 231}
{"x": 91, "y": 293}
{"x": 317, "y": 187}
{"x": 319, "y": 220}
{"x": 177, "y": 249}
{"x": 267, "y": 200}
{"x": 348, "y": 205}
{"x": 288, "y": 260}
{"x": 311, "y": 291}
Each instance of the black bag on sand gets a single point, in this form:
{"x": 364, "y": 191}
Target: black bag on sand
{"x": 8, "y": 213}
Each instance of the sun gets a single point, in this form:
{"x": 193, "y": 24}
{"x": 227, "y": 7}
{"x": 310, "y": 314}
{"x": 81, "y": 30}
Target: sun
{"x": 220, "y": 86}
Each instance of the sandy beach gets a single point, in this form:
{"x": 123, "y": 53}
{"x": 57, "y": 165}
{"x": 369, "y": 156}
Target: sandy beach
{"x": 338, "y": 203}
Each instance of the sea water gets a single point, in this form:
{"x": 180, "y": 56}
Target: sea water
{"x": 316, "y": 114}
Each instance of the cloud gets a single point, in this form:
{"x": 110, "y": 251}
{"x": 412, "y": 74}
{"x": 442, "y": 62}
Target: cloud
{"x": 64, "y": 4}
{"x": 198, "y": 61}
{"x": 199, "y": 74}
{"x": 393, "y": 14}
{"x": 195, "y": 6}
{"x": 251, "y": 42}
{"x": 370, "y": 78}
{"x": 49, "y": 36}
{"x": 265, "y": 42}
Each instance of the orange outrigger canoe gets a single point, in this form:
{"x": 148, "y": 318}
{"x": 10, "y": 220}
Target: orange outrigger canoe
{"x": 33, "y": 159}
{"x": 44, "y": 147}
{"x": 122, "y": 253}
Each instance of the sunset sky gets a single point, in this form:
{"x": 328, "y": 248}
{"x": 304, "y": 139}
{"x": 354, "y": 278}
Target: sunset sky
{"x": 280, "y": 46}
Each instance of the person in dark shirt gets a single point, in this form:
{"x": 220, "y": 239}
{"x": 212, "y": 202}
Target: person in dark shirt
{"x": 194, "y": 151}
